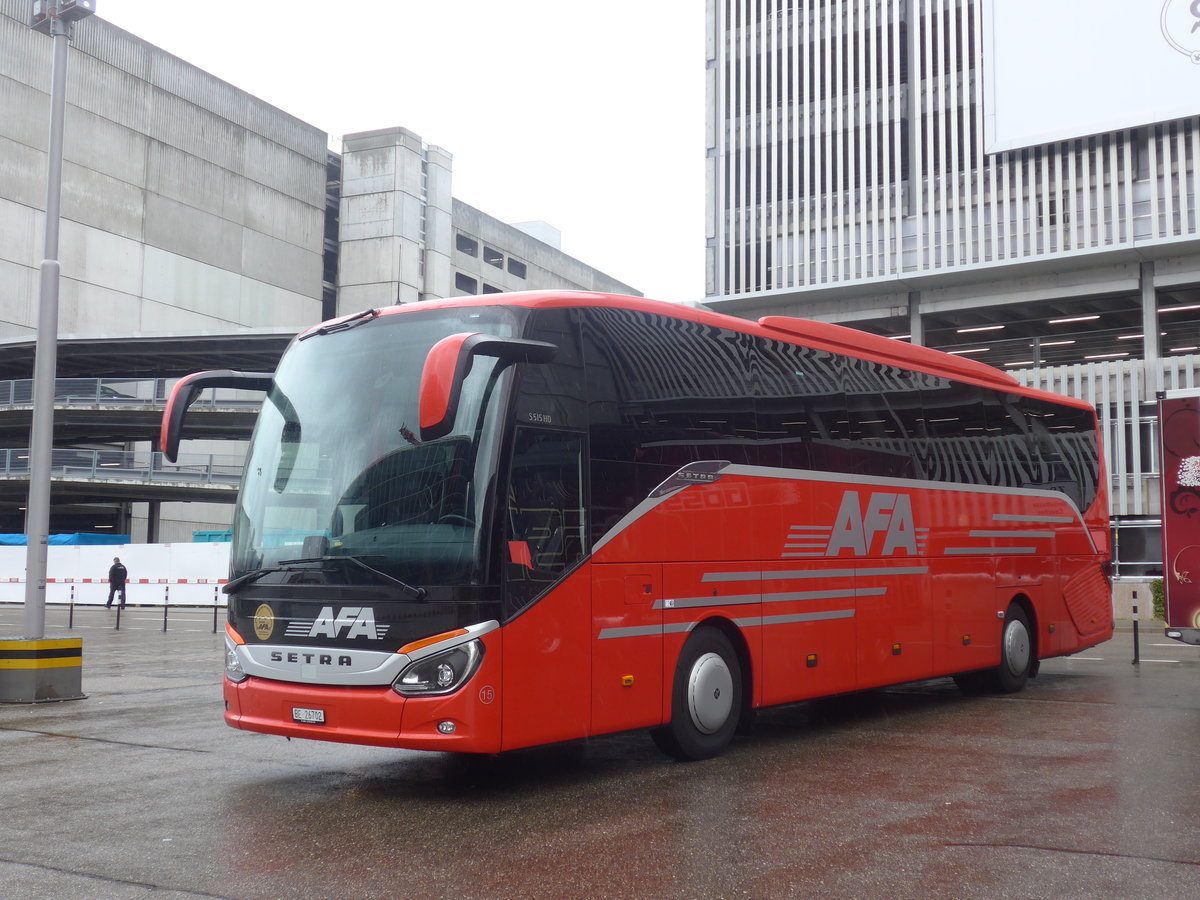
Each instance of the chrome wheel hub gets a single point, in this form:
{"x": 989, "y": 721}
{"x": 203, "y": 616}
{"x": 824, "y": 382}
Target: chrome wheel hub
{"x": 1016, "y": 647}
{"x": 710, "y": 693}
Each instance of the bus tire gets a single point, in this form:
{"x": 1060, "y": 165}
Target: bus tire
{"x": 706, "y": 698}
{"x": 1016, "y": 653}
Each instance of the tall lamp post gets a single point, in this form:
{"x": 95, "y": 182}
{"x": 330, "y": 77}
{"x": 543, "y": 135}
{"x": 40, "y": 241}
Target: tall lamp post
{"x": 36, "y": 669}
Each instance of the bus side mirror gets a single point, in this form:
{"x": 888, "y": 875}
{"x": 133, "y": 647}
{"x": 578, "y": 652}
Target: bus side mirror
{"x": 448, "y": 364}
{"x": 188, "y": 388}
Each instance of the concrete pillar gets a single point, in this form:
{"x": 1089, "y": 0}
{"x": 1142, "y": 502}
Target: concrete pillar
{"x": 153, "y": 518}
{"x": 915, "y": 326}
{"x": 382, "y": 220}
{"x": 439, "y": 224}
{"x": 1151, "y": 342}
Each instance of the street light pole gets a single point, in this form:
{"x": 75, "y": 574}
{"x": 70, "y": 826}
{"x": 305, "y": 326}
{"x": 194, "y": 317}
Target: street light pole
{"x": 35, "y": 669}
{"x": 41, "y": 435}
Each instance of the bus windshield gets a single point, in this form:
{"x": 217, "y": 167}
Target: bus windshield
{"x": 337, "y": 468}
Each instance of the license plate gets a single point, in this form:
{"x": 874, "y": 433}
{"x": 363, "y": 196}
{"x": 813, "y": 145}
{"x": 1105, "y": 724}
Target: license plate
{"x": 308, "y": 716}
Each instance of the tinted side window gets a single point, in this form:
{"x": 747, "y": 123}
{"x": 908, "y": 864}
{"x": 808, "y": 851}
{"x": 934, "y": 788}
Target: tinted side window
{"x": 554, "y": 393}
{"x": 801, "y": 405}
{"x": 952, "y": 440}
{"x": 544, "y": 516}
{"x": 663, "y": 393}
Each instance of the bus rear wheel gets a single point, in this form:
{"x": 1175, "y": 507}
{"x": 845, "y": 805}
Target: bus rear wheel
{"x": 706, "y": 698}
{"x": 1018, "y": 661}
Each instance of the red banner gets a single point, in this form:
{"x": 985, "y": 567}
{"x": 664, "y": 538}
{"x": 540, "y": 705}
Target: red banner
{"x": 1179, "y": 430}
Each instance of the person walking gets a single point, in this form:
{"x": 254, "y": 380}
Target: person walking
{"x": 117, "y": 576}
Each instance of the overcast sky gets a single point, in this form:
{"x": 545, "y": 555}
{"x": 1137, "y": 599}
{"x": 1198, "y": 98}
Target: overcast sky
{"x": 589, "y": 116}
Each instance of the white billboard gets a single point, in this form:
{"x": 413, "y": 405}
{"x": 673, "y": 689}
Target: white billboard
{"x": 1060, "y": 69}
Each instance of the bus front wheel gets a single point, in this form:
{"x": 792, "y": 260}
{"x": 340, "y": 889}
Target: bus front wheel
{"x": 706, "y": 698}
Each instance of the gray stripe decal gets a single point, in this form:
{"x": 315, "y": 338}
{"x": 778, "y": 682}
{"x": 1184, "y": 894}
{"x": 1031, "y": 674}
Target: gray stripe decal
{"x": 798, "y": 617}
{"x": 768, "y": 575}
{"x": 749, "y": 622}
{"x": 987, "y": 551}
{"x": 1011, "y": 517}
{"x": 743, "y": 599}
{"x": 1010, "y": 534}
{"x": 646, "y": 630}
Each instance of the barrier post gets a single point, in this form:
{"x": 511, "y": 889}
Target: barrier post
{"x": 166, "y": 606}
{"x": 120, "y": 606}
{"x": 1136, "y": 649}
{"x": 216, "y": 605}
{"x": 71, "y": 609}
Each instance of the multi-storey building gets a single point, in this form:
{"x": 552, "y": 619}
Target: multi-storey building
{"x": 852, "y": 178}
{"x": 201, "y": 227}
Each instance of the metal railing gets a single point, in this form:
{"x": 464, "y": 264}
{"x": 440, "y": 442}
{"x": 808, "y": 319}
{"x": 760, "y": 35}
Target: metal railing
{"x": 119, "y": 392}
{"x": 130, "y": 465}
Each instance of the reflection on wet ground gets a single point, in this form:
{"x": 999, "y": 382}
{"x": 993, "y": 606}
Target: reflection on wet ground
{"x": 1083, "y": 785}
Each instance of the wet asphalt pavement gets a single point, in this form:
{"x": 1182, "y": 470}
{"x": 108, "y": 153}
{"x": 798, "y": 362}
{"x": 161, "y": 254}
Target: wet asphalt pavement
{"x": 1084, "y": 785}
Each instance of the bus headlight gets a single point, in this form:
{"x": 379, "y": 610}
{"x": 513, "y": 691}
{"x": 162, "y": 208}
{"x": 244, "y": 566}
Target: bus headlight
{"x": 233, "y": 666}
{"x": 440, "y": 673}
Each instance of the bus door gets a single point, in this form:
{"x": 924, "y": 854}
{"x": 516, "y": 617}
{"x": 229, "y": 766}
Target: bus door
{"x": 546, "y": 684}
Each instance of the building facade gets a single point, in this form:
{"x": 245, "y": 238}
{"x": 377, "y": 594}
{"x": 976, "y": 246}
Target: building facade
{"x": 192, "y": 210}
{"x": 848, "y": 181}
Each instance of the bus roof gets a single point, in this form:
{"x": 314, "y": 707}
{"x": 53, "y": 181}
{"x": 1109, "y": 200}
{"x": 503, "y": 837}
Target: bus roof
{"x": 819, "y": 335}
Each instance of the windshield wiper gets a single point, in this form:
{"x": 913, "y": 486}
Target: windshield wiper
{"x": 292, "y": 565}
{"x": 342, "y": 324}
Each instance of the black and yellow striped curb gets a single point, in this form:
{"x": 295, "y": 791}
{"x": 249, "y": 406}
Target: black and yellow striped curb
{"x": 51, "y": 653}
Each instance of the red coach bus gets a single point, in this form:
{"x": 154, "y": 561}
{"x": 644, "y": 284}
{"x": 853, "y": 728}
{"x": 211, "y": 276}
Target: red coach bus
{"x": 481, "y": 524}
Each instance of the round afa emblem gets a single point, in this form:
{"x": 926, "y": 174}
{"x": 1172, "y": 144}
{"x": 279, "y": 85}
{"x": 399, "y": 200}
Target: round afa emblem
{"x": 264, "y": 622}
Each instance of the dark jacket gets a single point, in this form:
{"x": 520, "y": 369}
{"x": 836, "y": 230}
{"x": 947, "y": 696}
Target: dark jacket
{"x": 117, "y": 574}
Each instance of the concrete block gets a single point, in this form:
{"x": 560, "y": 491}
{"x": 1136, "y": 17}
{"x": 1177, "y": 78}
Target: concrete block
{"x": 88, "y": 309}
{"x": 180, "y": 281}
{"x": 369, "y": 261}
{"x": 18, "y": 288}
{"x": 278, "y": 168}
{"x": 190, "y": 232}
{"x": 356, "y": 297}
{"x": 369, "y": 172}
{"x": 160, "y": 318}
{"x": 366, "y": 216}
{"x": 284, "y": 217}
{"x": 196, "y": 182}
{"x": 25, "y": 112}
{"x": 107, "y": 260}
{"x": 284, "y": 265}
{"x": 21, "y": 235}
{"x": 102, "y": 202}
{"x": 266, "y": 306}
{"x": 22, "y": 174}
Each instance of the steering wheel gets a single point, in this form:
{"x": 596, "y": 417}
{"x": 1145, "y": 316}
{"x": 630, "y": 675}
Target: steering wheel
{"x": 455, "y": 519}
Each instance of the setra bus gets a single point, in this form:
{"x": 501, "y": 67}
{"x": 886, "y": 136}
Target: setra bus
{"x": 482, "y": 524}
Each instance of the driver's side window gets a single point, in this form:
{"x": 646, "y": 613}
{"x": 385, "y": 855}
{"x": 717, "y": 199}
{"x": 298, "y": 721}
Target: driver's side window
{"x": 544, "y": 515}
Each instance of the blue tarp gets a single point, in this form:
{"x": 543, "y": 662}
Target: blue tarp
{"x": 67, "y": 540}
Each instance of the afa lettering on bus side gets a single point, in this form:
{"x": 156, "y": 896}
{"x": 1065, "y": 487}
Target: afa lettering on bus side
{"x": 886, "y": 514}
